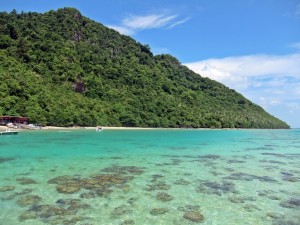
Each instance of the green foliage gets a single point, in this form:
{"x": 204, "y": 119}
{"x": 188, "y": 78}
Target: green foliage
{"x": 61, "y": 68}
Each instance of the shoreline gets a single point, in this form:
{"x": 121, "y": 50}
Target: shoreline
{"x": 109, "y": 128}
{"x": 3, "y": 128}
{"x": 88, "y": 128}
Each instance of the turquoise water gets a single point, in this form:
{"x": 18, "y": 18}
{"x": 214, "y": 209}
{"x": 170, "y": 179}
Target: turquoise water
{"x": 177, "y": 177}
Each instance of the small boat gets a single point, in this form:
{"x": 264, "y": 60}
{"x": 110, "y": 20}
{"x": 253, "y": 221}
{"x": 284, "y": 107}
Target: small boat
{"x": 99, "y": 129}
{"x": 9, "y": 132}
{"x": 31, "y": 126}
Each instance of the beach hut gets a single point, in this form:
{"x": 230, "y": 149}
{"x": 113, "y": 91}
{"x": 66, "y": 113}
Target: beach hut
{"x": 4, "y": 120}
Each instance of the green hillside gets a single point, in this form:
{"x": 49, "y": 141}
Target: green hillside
{"x": 61, "y": 68}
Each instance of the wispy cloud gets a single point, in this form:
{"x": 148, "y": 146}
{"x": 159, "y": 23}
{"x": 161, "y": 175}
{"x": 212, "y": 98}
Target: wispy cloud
{"x": 297, "y": 13}
{"x": 133, "y": 23}
{"x": 147, "y": 22}
{"x": 179, "y": 22}
{"x": 122, "y": 30}
{"x": 272, "y": 81}
{"x": 245, "y": 71}
{"x": 296, "y": 45}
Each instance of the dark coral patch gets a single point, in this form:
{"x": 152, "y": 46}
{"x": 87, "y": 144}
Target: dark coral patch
{"x": 163, "y": 196}
{"x": 6, "y": 159}
{"x": 25, "y": 181}
{"x": 124, "y": 170}
{"x": 99, "y": 185}
{"x": 29, "y": 200}
{"x": 291, "y": 203}
{"x": 158, "y": 211}
{"x": 121, "y": 210}
{"x": 196, "y": 217}
{"x": 159, "y": 185}
{"x": 249, "y": 177}
{"x": 7, "y": 188}
{"x": 210, "y": 187}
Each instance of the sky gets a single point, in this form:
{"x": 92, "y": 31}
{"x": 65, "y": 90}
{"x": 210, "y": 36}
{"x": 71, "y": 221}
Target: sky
{"x": 252, "y": 46}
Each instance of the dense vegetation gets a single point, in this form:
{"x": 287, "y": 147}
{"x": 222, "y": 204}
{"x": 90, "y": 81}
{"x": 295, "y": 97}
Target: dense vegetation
{"x": 61, "y": 68}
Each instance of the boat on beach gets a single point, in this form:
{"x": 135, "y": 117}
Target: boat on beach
{"x": 99, "y": 129}
{"x": 8, "y": 132}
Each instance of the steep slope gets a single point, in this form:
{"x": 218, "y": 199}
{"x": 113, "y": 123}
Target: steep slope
{"x": 61, "y": 68}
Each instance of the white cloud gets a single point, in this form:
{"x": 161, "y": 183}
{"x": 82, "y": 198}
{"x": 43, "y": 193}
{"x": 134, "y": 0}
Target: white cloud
{"x": 271, "y": 81}
{"x": 294, "y": 105}
{"x": 245, "y": 71}
{"x": 122, "y": 30}
{"x": 147, "y": 22}
{"x": 133, "y": 23}
{"x": 296, "y": 45}
{"x": 179, "y": 22}
{"x": 297, "y": 13}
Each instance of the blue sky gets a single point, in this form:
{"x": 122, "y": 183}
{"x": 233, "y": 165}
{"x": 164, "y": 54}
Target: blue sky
{"x": 252, "y": 46}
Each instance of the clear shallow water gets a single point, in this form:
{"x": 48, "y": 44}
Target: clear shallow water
{"x": 213, "y": 177}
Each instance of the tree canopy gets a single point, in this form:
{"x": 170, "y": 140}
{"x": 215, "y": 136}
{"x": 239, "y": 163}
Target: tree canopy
{"x": 61, "y": 68}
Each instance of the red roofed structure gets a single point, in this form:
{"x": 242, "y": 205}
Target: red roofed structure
{"x": 13, "y": 119}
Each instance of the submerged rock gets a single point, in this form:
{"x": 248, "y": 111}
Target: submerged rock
{"x": 90, "y": 194}
{"x": 124, "y": 169}
{"x": 273, "y": 197}
{"x": 61, "y": 179}
{"x": 7, "y": 188}
{"x": 71, "y": 205}
{"x": 24, "y": 181}
{"x": 194, "y": 216}
{"x": 99, "y": 184}
{"x": 235, "y": 161}
{"x": 121, "y": 210}
{"x": 276, "y": 216}
{"x": 159, "y": 185}
{"x": 221, "y": 188}
{"x": 128, "y": 222}
{"x": 102, "y": 192}
{"x": 158, "y": 211}
{"x": 265, "y": 192}
{"x": 68, "y": 188}
{"x": 240, "y": 199}
{"x": 47, "y": 211}
{"x": 132, "y": 200}
{"x": 27, "y": 215}
{"x": 24, "y": 191}
{"x": 209, "y": 156}
{"x": 291, "y": 203}
{"x": 182, "y": 182}
{"x": 189, "y": 208}
{"x": 251, "y": 208}
{"x": 290, "y": 179}
{"x": 29, "y": 200}
{"x": 249, "y": 177}
{"x": 163, "y": 196}
{"x": 6, "y": 159}
{"x": 237, "y": 199}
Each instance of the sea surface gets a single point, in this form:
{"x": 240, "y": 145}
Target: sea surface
{"x": 149, "y": 177}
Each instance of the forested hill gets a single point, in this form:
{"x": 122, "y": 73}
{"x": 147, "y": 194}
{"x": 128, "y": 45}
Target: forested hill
{"x": 61, "y": 68}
